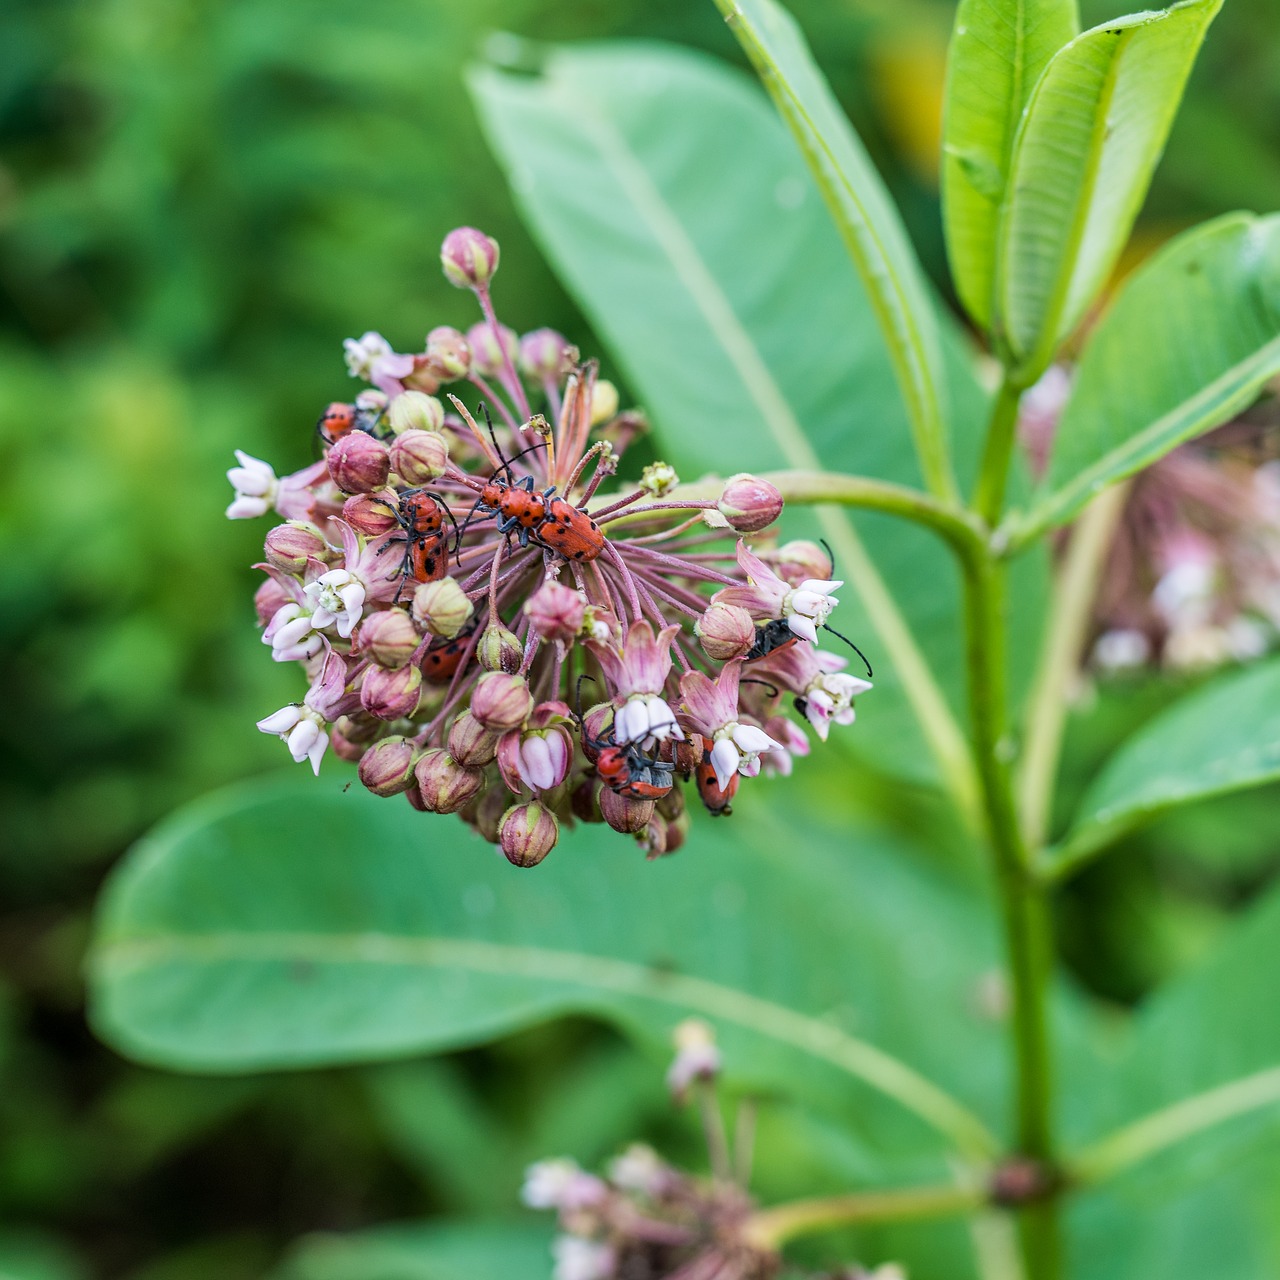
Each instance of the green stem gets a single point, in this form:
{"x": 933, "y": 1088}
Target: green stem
{"x": 1152, "y": 1134}
{"x": 997, "y": 452}
{"x": 1065, "y": 632}
{"x": 773, "y": 1227}
{"x": 1023, "y": 902}
{"x": 950, "y": 521}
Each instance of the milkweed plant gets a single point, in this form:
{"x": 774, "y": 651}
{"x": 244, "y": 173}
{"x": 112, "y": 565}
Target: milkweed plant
{"x": 514, "y": 601}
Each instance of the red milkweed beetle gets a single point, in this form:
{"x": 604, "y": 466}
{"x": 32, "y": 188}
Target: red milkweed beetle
{"x": 442, "y": 659}
{"x": 550, "y": 521}
{"x": 717, "y": 799}
{"x": 341, "y": 419}
{"x": 624, "y": 768}
{"x": 421, "y": 515}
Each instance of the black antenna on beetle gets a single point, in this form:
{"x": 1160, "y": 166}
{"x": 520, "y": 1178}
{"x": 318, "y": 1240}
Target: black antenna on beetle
{"x": 826, "y": 546}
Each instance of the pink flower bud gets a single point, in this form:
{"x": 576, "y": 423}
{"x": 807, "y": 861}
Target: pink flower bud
{"x": 653, "y": 839}
{"x": 499, "y": 650}
{"x": 414, "y": 797}
{"x": 469, "y": 258}
{"x": 415, "y": 411}
{"x": 470, "y": 743}
{"x": 544, "y": 354}
{"x": 360, "y": 727}
{"x": 749, "y": 503}
{"x": 389, "y": 637}
{"x": 799, "y": 561}
{"x": 441, "y": 607}
{"x": 527, "y": 833}
{"x": 726, "y": 631}
{"x": 539, "y": 759}
{"x": 289, "y": 546}
{"x": 391, "y": 695}
{"x": 501, "y": 701}
{"x": 343, "y": 747}
{"x": 486, "y": 354}
{"x": 448, "y": 354}
{"x": 386, "y": 768}
{"x": 268, "y": 600}
{"x": 624, "y": 814}
{"x": 677, "y": 832}
{"x": 594, "y": 725}
{"x": 423, "y": 377}
{"x": 487, "y": 818}
{"x": 419, "y": 457}
{"x": 358, "y": 463}
{"x": 367, "y": 513}
{"x": 555, "y": 611}
{"x": 444, "y": 785}
{"x": 585, "y": 802}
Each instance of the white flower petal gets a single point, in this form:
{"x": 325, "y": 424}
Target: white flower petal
{"x": 823, "y": 586}
{"x": 803, "y": 627}
{"x": 316, "y": 753}
{"x": 248, "y": 508}
{"x": 746, "y": 737}
{"x": 281, "y": 721}
{"x": 302, "y": 739}
{"x": 724, "y": 760}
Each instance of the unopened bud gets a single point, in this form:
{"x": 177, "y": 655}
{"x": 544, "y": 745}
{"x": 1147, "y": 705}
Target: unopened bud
{"x": 658, "y": 479}
{"x": 501, "y": 701}
{"x": 584, "y": 800}
{"x": 726, "y": 631}
{"x": 419, "y": 457}
{"x": 386, "y": 768}
{"x": 625, "y": 814}
{"x": 268, "y": 600}
{"x": 604, "y": 402}
{"x": 799, "y": 561}
{"x": 472, "y": 744}
{"x": 486, "y": 814}
{"x": 344, "y": 748}
{"x": 391, "y": 694}
{"x": 555, "y": 611}
{"x": 499, "y": 650}
{"x": 677, "y": 832}
{"x": 469, "y": 258}
{"x": 543, "y": 354}
{"x": 423, "y": 377}
{"x": 360, "y": 727}
{"x": 448, "y": 353}
{"x": 289, "y": 546}
{"x": 527, "y": 833}
{"x": 389, "y": 637}
{"x": 686, "y": 755}
{"x": 444, "y": 785}
{"x": 486, "y": 353}
{"x": 653, "y": 839}
{"x": 594, "y": 726}
{"x": 697, "y": 1057}
{"x": 359, "y": 464}
{"x": 367, "y": 513}
{"x": 415, "y": 411}
{"x": 749, "y": 504}
{"x": 442, "y": 607}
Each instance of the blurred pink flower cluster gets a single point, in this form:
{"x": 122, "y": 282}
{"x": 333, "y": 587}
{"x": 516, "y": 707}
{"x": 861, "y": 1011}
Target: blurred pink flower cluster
{"x": 452, "y": 581}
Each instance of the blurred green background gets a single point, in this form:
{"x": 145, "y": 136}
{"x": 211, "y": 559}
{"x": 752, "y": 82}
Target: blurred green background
{"x": 198, "y": 202}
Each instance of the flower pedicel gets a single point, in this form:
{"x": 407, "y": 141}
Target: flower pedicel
{"x": 453, "y": 583}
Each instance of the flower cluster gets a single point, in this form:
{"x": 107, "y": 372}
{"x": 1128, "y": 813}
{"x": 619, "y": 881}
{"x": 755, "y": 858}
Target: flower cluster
{"x": 452, "y": 581}
{"x": 646, "y": 1219}
{"x": 1192, "y": 578}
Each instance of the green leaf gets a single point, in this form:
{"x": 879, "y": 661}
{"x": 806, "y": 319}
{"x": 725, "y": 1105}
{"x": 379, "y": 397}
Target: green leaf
{"x": 1087, "y": 146}
{"x": 671, "y": 202}
{"x": 1190, "y": 341}
{"x": 998, "y": 50}
{"x": 1222, "y": 738}
{"x": 293, "y": 925}
{"x": 864, "y": 215}
{"x": 467, "y": 1250}
{"x": 1195, "y": 1097}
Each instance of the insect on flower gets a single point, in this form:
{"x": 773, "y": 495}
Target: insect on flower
{"x": 460, "y": 698}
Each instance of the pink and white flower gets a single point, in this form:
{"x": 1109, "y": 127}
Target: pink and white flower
{"x": 370, "y": 357}
{"x": 712, "y": 709}
{"x": 255, "y": 484}
{"x": 805, "y": 608}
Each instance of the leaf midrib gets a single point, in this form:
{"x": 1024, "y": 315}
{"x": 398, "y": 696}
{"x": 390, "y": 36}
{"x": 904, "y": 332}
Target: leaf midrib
{"x": 939, "y": 725}
{"x": 122, "y": 958}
